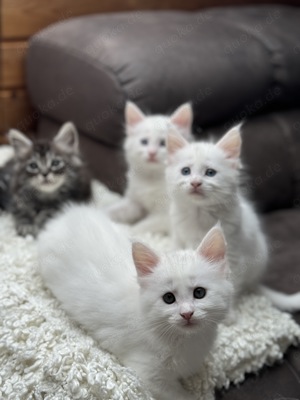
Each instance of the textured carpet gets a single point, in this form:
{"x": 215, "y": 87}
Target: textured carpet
{"x": 43, "y": 355}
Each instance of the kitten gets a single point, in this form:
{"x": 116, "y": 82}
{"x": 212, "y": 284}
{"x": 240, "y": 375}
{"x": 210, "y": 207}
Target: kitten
{"x": 203, "y": 182}
{"x": 145, "y": 202}
{"x": 157, "y": 313}
{"x": 43, "y": 176}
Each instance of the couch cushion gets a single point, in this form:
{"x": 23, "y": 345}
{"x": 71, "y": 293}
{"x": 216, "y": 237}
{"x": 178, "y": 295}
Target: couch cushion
{"x": 231, "y": 62}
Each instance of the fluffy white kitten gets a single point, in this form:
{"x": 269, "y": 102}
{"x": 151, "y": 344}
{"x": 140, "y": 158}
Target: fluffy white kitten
{"x": 145, "y": 202}
{"x": 157, "y": 313}
{"x": 203, "y": 181}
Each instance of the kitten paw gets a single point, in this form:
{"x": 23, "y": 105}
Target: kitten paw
{"x": 24, "y": 230}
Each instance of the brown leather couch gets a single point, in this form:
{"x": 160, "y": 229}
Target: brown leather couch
{"x": 232, "y": 63}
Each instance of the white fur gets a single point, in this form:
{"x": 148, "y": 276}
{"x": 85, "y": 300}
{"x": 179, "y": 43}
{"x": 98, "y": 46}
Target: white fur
{"x": 49, "y": 184}
{"x": 219, "y": 199}
{"x": 146, "y": 201}
{"x": 92, "y": 273}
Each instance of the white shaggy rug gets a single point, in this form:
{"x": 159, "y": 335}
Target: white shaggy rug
{"x": 43, "y": 355}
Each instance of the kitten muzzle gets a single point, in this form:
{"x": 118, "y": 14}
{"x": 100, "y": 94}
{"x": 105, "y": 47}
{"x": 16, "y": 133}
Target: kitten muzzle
{"x": 196, "y": 191}
{"x": 152, "y": 158}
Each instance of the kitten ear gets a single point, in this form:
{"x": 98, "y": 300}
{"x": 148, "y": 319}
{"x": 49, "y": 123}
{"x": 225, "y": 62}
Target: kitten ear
{"x": 21, "y": 144}
{"x": 231, "y": 142}
{"x": 182, "y": 117}
{"x": 133, "y": 115}
{"x": 175, "y": 142}
{"x": 67, "y": 138}
{"x": 213, "y": 246}
{"x": 145, "y": 259}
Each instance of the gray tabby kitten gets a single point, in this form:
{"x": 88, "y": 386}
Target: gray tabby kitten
{"x": 43, "y": 175}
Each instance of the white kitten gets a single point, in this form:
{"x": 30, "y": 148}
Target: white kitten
{"x": 203, "y": 181}
{"x": 145, "y": 202}
{"x": 157, "y": 314}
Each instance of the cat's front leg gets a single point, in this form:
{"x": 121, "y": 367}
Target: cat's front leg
{"x": 231, "y": 316}
{"x": 32, "y": 224}
{"x": 162, "y": 383}
{"x": 126, "y": 211}
{"x": 44, "y": 215}
{"x": 24, "y": 229}
{"x": 25, "y": 225}
{"x": 24, "y": 219}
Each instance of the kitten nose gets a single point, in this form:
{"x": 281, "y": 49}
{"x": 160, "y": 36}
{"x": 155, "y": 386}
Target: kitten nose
{"x": 195, "y": 184}
{"x": 187, "y": 315}
{"x": 152, "y": 155}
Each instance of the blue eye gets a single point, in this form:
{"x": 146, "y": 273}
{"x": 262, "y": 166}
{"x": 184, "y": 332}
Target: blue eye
{"x": 144, "y": 141}
{"x": 199, "y": 293}
{"x": 210, "y": 172}
{"x": 169, "y": 298}
{"x": 186, "y": 171}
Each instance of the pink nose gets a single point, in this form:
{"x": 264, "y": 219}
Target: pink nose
{"x": 195, "y": 184}
{"x": 152, "y": 153}
{"x": 187, "y": 315}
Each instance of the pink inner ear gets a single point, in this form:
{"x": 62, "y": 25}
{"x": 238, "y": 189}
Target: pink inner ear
{"x": 145, "y": 259}
{"x": 133, "y": 115}
{"x": 183, "y": 116}
{"x": 231, "y": 143}
{"x": 175, "y": 142}
{"x": 213, "y": 246}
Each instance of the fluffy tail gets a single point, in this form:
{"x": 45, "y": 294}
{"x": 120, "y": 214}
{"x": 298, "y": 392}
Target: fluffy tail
{"x": 285, "y": 302}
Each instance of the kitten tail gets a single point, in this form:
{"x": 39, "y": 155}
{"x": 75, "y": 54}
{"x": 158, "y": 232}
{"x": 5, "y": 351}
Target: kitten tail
{"x": 283, "y": 301}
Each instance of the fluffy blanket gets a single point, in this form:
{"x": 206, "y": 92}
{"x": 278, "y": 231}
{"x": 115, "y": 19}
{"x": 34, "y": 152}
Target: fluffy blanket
{"x": 43, "y": 355}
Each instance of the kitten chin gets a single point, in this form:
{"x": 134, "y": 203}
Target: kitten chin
{"x": 50, "y": 186}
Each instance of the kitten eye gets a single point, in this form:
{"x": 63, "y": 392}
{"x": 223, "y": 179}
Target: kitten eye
{"x": 169, "y": 298}
{"x": 33, "y": 165}
{"x": 186, "y": 171}
{"x": 210, "y": 172}
{"x": 162, "y": 143}
{"x": 144, "y": 141}
{"x": 199, "y": 293}
{"x": 55, "y": 163}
